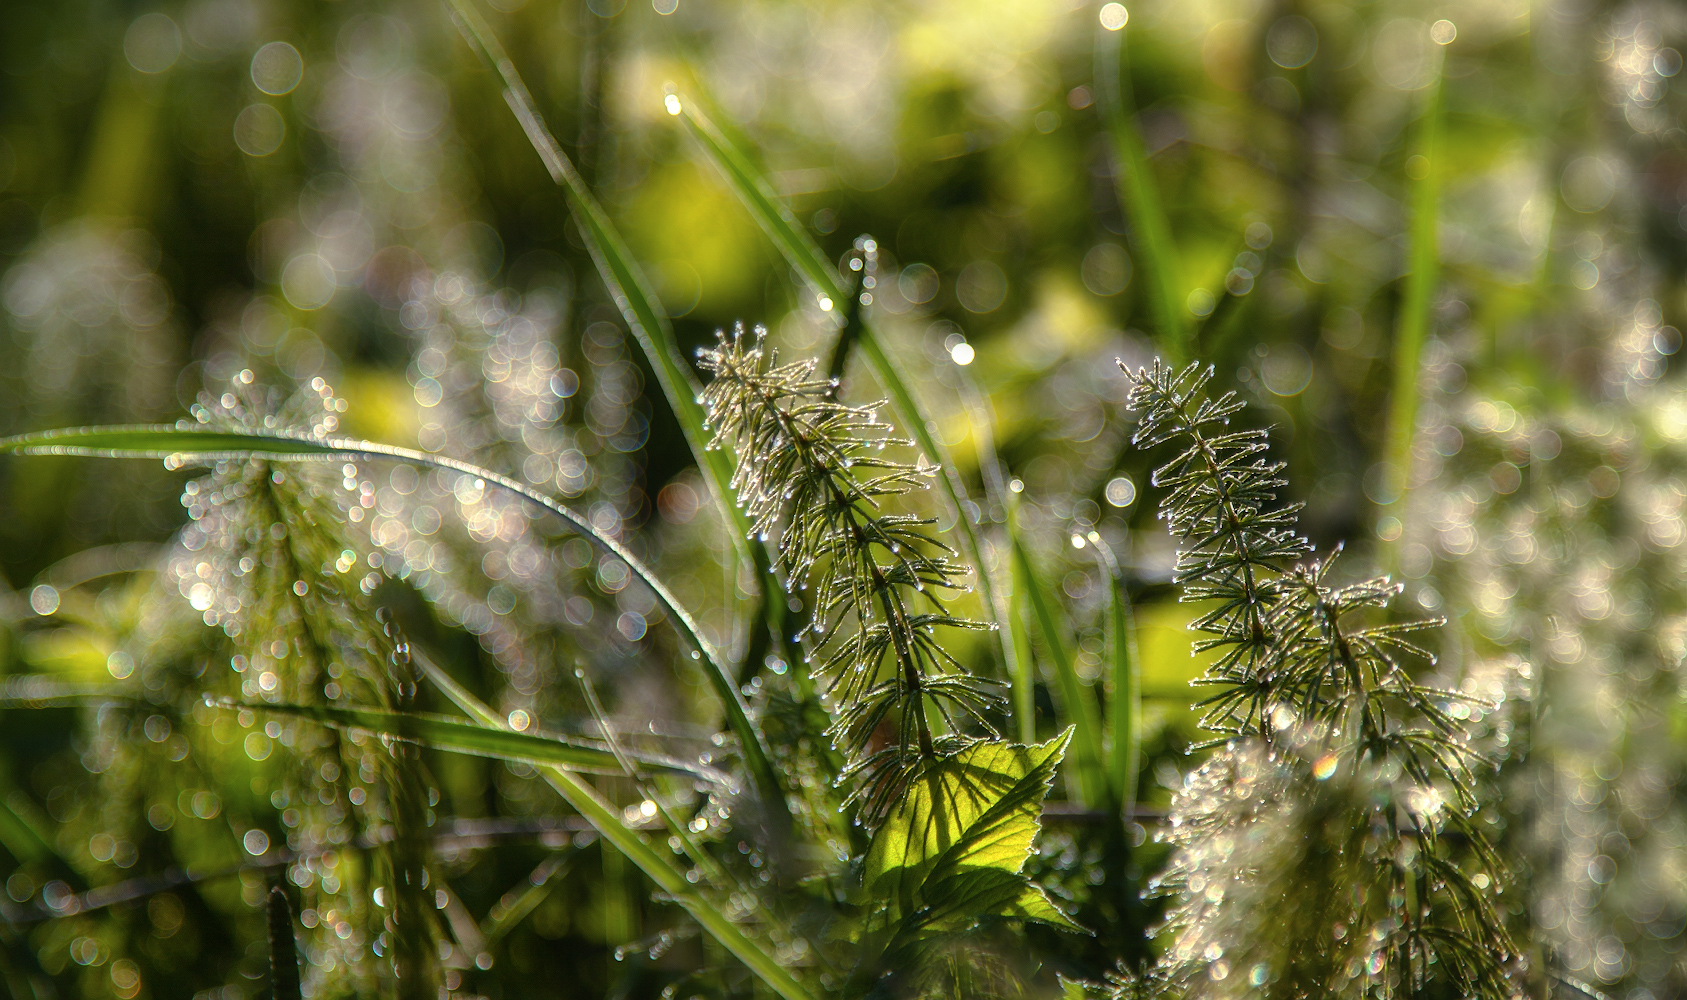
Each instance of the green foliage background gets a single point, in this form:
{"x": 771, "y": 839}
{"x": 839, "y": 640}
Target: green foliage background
{"x": 1443, "y": 264}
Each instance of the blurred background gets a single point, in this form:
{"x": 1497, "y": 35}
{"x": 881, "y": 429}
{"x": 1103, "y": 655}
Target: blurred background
{"x": 336, "y": 191}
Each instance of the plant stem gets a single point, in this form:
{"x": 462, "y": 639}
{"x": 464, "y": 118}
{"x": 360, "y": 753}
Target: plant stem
{"x": 1078, "y": 699}
{"x": 1124, "y": 706}
{"x": 1413, "y": 324}
{"x": 1139, "y": 196}
{"x": 1016, "y": 647}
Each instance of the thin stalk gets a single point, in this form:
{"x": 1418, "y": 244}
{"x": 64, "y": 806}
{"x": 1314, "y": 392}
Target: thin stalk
{"x": 1139, "y": 196}
{"x": 606, "y": 819}
{"x": 283, "y": 947}
{"x": 1124, "y": 703}
{"x": 1016, "y": 646}
{"x": 182, "y": 444}
{"x": 641, "y": 781}
{"x": 1078, "y": 700}
{"x": 1413, "y": 324}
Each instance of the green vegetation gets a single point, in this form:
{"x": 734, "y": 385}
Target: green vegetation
{"x": 521, "y": 499}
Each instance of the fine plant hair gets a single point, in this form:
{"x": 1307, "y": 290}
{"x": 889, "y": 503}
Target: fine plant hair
{"x": 811, "y": 470}
{"x": 1340, "y": 778}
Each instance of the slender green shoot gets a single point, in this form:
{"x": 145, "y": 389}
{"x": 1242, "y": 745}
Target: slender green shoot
{"x": 1016, "y": 645}
{"x": 1412, "y": 328}
{"x": 606, "y": 819}
{"x": 1079, "y": 701}
{"x": 1124, "y": 702}
{"x": 506, "y": 917}
{"x": 180, "y": 445}
{"x": 1139, "y": 196}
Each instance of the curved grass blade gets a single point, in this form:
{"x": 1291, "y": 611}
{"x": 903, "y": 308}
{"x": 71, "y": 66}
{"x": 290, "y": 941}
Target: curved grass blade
{"x": 1139, "y": 195}
{"x": 183, "y": 444}
{"x": 806, "y": 257}
{"x": 606, "y": 819}
{"x": 1078, "y": 701}
{"x": 628, "y": 286}
{"x": 463, "y": 736}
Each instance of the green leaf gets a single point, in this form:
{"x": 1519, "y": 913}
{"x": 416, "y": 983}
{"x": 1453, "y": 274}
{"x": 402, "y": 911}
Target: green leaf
{"x": 463, "y": 736}
{"x": 954, "y": 903}
{"x": 606, "y": 819}
{"x": 963, "y": 818}
{"x": 182, "y": 444}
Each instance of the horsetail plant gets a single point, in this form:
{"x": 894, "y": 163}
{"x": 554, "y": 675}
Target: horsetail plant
{"x": 877, "y": 577}
{"x": 1333, "y": 846}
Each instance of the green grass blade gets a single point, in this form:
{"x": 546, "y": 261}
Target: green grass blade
{"x": 22, "y": 840}
{"x": 1413, "y": 324}
{"x": 1079, "y": 701}
{"x": 504, "y": 919}
{"x": 1016, "y": 644}
{"x": 1124, "y": 704}
{"x": 770, "y": 212}
{"x": 1139, "y": 195}
{"x": 606, "y": 819}
{"x": 183, "y": 444}
{"x": 806, "y": 257}
{"x": 463, "y": 736}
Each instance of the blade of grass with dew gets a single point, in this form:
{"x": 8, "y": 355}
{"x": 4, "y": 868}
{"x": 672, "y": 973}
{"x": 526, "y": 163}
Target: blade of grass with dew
{"x": 504, "y": 919}
{"x": 1124, "y": 705}
{"x": 606, "y": 819}
{"x": 805, "y": 256}
{"x": 1413, "y": 324}
{"x": 463, "y": 736}
{"x": 676, "y": 830}
{"x": 283, "y": 947}
{"x": 1139, "y": 195}
{"x": 1016, "y": 645}
{"x": 181, "y": 444}
{"x": 1079, "y": 702}
{"x": 636, "y": 299}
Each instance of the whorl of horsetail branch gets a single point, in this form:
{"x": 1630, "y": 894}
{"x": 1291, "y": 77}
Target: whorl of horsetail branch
{"x": 812, "y": 471}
